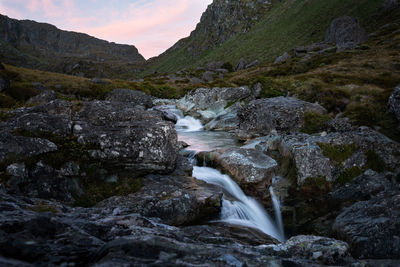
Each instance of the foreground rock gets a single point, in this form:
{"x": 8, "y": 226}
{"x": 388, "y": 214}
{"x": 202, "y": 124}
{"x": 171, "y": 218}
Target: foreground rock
{"x": 284, "y": 114}
{"x": 372, "y": 227}
{"x": 132, "y": 97}
{"x": 346, "y": 32}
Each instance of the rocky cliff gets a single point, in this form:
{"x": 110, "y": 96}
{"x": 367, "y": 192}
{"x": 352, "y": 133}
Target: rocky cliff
{"x": 39, "y": 45}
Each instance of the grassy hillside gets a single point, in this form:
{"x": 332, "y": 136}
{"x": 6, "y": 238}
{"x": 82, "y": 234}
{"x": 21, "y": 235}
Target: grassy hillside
{"x": 288, "y": 24}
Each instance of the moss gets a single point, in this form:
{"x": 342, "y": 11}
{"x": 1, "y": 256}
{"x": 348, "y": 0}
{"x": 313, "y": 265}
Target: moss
{"x": 97, "y": 190}
{"x": 21, "y": 91}
{"x": 319, "y": 181}
{"x": 348, "y": 175}
{"x": 375, "y": 162}
{"x": 314, "y": 122}
{"x": 43, "y": 207}
{"x": 338, "y": 153}
{"x": 230, "y": 103}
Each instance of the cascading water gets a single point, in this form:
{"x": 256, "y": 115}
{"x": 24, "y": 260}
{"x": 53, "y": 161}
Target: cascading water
{"x": 239, "y": 209}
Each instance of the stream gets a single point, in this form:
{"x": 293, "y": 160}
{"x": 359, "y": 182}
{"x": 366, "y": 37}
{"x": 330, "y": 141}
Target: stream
{"x": 237, "y": 208}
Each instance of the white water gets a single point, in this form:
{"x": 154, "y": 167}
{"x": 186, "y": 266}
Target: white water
{"x": 243, "y": 210}
{"x": 277, "y": 210}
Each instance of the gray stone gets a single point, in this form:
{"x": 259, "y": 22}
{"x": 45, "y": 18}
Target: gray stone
{"x": 282, "y": 58}
{"x": 42, "y": 98}
{"x": 4, "y": 84}
{"x": 394, "y": 103}
{"x": 208, "y": 76}
{"x": 252, "y": 64}
{"x": 345, "y": 32}
{"x": 99, "y": 81}
{"x": 372, "y": 227}
{"x": 195, "y": 80}
{"x": 241, "y": 65}
{"x": 132, "y": 97}
{"x": 284, "y": 114}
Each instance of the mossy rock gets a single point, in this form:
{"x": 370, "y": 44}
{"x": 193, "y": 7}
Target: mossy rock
{"x": 348, "y": 175}
{"x": 338, "y": 153}
{"x": 314, "y": 122}
{"x": 375, "y": 162}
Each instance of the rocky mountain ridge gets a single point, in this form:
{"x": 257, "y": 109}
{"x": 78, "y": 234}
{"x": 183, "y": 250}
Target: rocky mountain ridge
{"x": 39, "y": 45}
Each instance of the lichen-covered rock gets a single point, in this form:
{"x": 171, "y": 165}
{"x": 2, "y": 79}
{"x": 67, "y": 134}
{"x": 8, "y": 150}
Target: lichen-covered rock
{"x": 394, "y": 103}
{"x": 346, "y": 32}
{"x": 42, "y": 98}
{"x": 372, "y": 227}
{"x": 130, "y": 96}
{"x": 127, "y": 136}
{"x": 320, "y": 249}
{"x": 18, "y": 146}
{"x": 284, "y": 114}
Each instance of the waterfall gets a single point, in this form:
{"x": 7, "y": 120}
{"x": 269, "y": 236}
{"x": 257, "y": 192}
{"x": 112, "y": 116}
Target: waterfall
{"x": 244, "y": 210}
{"x": 237, "y": 208}
{"x": 277, "y": 210}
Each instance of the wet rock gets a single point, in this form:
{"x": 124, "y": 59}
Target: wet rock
{"x": 42, "y": 98}
{"x": 284, "y": 114}
{"x": 346, "y": 32}
{"x": 18, "y": 146}
{"x": 320, "y": 249}
{"x": 394, "y": 103}
{"x": 127, "y": 136}
{"x": 130, "y": 96}
{"x": 167, "y": 114}
{"x": 282, "y": 58}
{"x": 372, "y": 227}
{"x": 247, "y": 166}
{"x": 4, "y": 84}
{"x": 225, "y": 122}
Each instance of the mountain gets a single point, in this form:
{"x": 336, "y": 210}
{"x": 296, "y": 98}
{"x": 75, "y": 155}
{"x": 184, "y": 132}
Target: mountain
{"x": 43, "y": 46}
{"x": 263, "y": 30}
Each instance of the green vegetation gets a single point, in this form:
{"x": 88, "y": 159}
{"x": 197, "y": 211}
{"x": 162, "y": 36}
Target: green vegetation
{"x": 348, "y": 175}
{"x": 44, "y": 207}
{"x": 338, "y": 153}
{"x": 374, "y": 162}
{"x": 314, "y": 122}
{"x": 288, "y": 24}
{"x": 318, "y": 181}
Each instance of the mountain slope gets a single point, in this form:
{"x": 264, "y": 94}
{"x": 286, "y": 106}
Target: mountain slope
{"x": 285, "y": 24}
{"x": 38, "y": 45}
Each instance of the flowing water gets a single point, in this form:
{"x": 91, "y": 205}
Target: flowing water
{"x": 237, "y": 208}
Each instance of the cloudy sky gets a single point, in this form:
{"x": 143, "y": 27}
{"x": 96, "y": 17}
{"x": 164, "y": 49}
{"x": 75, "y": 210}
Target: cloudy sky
{"x": 151, "y": 25}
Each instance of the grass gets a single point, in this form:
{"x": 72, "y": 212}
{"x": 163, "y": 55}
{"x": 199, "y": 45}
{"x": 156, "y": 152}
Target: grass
{"x": 348, "y": 175}
{"x": 314, "y": 122}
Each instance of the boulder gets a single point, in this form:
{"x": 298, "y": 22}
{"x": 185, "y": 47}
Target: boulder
{"x": 320, "y": 249}
{"x": 130, "y": 96}
{"x": 208, "y": 76}
{"x": 241, "y": 65}
{"x": 252, "y": 64}
{"x": 346, "y": 32}
{"x": 284, "y": 114}
{"x": 195, "y": 80}
{"x": 224, "y": 122}
{"x": 282, "y": 58}
{"x": 127, "y": 136}
{"x": 214, "y": 65}
{"x": 394, "y": 103}
{"x": 18, "y": 146}
{"x": 4, "y": 84}
{"x": 42, "y": 98}
{"x": 99, "y": 81}
{"x": 372, "y": 227}
{"x": 389, "y": 5}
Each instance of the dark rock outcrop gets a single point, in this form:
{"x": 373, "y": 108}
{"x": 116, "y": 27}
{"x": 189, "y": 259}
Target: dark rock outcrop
{"x": 346, "y": 32}
{"x": 42, "y": 98}
{"x": 4, "y": 84}
{"x": 284, "y": 114}
{"x": 132, "y": 97}
{"x": 394, "y": 103}
{"x": 372, "y": 227}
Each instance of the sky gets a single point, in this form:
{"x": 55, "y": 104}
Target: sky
{"x": 151, "y": 25}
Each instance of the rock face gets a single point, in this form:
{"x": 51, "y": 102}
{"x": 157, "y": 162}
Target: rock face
{"x": 24, "y": 38}
{"x": 130, "y": 96}
{"x": 372, "y": 227}
{"x": 394, "y": 103}
{"x": 284, "y": 114}
{"x": 206, "y": 104}
{"x": 346, "y": 32}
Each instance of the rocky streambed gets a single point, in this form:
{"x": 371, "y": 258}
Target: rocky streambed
{"x": 100, "y": 183}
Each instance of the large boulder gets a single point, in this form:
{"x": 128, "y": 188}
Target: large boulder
{"x": 372, "y": 227}
{"x": 346, "y": 32}
{"x": 130, "y": 96}
{"x": 284, "y": 114}
{"x": 394, "y": 103}
{"x": 127, "y": 136}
